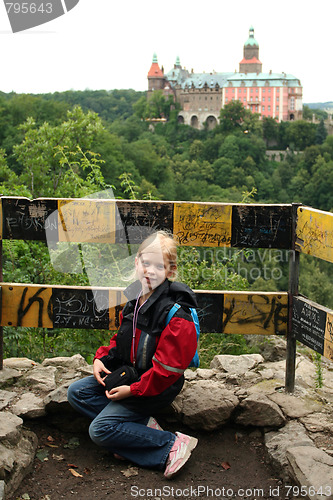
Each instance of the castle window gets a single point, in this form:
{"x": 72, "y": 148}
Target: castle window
{"x": 277, "y": 108}
{"x": 277, "y": 99}
{"x": 251, "y": 91}
{"x": 226, "y": 99}
{"x": 244, "y": 99}
{"x": 263, "y": 91}
{"x": 264, "y": 98}
{"x": 263, "y": 108}
{"x": 269, "y": 108}
{"x": 257, "y": 91}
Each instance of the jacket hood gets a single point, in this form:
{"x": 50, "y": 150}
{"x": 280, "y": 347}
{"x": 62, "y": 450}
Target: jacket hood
{"x": 183, "y": 294}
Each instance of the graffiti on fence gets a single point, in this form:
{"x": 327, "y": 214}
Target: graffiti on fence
{"x": 314, "y": 233}
{"x": 265, "y": 314}
{"x": 202, "y": 224}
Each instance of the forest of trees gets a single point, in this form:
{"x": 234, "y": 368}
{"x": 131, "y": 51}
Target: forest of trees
{"x": 72, "y": 144}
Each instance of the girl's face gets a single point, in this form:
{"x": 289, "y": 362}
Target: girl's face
{"x": 152, "y": 269}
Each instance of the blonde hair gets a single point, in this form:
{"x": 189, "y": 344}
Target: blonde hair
{"x": 161, "y": 241}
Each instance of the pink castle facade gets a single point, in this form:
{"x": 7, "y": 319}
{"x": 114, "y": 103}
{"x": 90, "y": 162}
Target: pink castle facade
{"x": 202, "y": 95}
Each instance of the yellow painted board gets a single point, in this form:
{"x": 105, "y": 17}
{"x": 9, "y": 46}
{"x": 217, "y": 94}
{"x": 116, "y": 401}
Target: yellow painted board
{"x": 90, "y": 221}
{"x": 26, "y": 305}
{"x": 117, "y": 300}
{"x": 260, "y": 314}
{"x": 314, "y": 233}
{"x": 328, "y": 344}
{"x": 202, "y": 224}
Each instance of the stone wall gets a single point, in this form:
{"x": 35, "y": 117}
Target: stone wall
{"x": 246, "y": 390}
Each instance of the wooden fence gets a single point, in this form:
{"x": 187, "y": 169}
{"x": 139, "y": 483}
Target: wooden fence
{"x": 287, "y": 227}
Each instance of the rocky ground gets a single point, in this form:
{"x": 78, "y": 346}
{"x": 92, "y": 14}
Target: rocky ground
{"x": 255, "y": 441}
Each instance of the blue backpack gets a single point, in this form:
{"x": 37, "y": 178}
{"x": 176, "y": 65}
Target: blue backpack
{"x": 195, "y": 361}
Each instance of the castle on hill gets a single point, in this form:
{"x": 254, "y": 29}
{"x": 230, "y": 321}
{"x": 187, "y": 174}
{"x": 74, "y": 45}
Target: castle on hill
{"x": 202, "y": 95}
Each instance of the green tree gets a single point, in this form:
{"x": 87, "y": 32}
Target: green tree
{"x": 42, "y": 172}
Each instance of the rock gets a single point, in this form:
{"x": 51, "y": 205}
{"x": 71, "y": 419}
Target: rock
{"x": 278, "y": 442}
{"x": 204, "y": 373}
{"x": 10, "y": 427}
{"x": 5, "y": 398}
{"x": 29, "y": 406}
{"x": 41, "y": 378}
{"x": 8, "y": 376}
{"x": 318, "y": 422}
{"x": 190, "y": 374}
{"x": 313, "y": 469}
{"x": 266, "y": 387}
{"x": 57, "y": 400}
{"x": 16, "y": 461}
{"x": 2, "y": 490}
{"x": 236, "y": 364}
{"x": 258, "y": 410}
{"x": 271, "y": 348}
{"x": 293, "y": 406}
{"x": 73, "y": 363}
{"x": 205, "y": 404}
{"x": 19, "y": 363}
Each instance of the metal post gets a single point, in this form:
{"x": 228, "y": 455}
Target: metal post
{"x": 293, "y": 290}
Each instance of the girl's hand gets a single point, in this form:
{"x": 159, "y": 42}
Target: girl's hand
{"x": 99, "y": 368}
{"x": 117, "y": 393}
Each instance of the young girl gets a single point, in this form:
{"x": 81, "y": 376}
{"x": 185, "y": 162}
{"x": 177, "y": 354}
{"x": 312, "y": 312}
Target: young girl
{"x": 121, "y": 418}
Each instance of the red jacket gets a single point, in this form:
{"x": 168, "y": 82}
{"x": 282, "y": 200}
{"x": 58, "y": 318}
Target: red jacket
{"x": 161, "y": 353}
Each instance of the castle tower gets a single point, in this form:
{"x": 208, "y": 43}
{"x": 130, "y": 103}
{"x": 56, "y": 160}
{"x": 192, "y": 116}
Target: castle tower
{"x": 156, "y": 78}
{"x": 250, "y": 62}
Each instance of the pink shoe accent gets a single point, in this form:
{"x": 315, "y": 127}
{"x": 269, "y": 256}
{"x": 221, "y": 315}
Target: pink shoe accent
{"x": 179, "y": 454}
{"x": 152, "y": 423}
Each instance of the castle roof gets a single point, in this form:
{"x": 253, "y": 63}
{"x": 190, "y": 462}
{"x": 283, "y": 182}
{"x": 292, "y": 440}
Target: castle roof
{"x": 251, "y": 40}
{"x": 199, "y": 80}
{"x": 254, "y": 60}
{"x": 155, "y": 71}
{"x": 262, "y": 80}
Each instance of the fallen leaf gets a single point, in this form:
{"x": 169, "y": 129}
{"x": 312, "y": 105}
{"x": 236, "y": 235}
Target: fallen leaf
{"x": 225, "y": 465}
{"x": 87, "y": 471}
{"x": 25, "y": 496}
{"x": 73, "y": 466}
{"x": 52, "y": 445}
{"x": 73, "y": 443}
{"x": 42, "y": 455}
{"x": 50, "y": 438}
{"x": 131, "y": 471}
{"x": 59, "y": 458}
{"x": 75, "y": 473}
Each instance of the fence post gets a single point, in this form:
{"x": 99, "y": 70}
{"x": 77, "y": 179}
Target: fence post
{"x": 292, "y": 290}
{"x": 1, "y": 328}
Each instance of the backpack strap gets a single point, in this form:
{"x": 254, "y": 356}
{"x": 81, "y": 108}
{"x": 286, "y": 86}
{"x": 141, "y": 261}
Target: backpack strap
{"x": 171, "y": 313}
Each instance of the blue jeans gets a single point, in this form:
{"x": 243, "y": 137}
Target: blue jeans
{"x": 119, "y": 429}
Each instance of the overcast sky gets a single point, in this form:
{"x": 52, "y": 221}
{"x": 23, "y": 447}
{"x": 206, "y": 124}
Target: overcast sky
{"x": 107, "y": 44}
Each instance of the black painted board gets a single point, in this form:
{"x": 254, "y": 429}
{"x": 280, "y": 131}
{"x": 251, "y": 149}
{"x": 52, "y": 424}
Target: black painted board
{"x": 308, "y": 324}
{"x": 24, "y": 219}
{"x": 210, "y": 312}
{"x": 75, "y": 308}
{"x": 136, "y": 220}
{"x": 261, "y": 226}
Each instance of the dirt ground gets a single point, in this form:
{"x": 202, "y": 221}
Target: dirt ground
{"x": 227, "y": 464}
